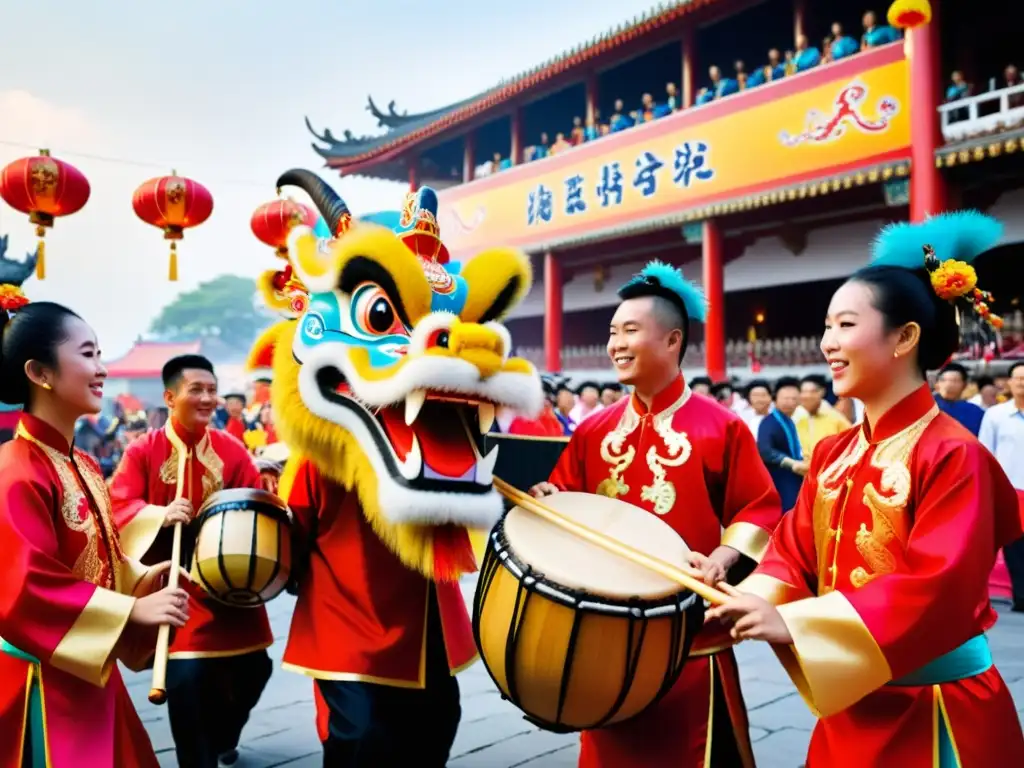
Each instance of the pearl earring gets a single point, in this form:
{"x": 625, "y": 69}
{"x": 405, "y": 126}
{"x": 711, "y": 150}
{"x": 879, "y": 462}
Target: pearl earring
{"x": 895, "y": 355}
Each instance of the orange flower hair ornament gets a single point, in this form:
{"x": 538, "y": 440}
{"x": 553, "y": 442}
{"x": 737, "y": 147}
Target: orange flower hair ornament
{"x": 11, "y": 298}
{"x": 950, "y": 242}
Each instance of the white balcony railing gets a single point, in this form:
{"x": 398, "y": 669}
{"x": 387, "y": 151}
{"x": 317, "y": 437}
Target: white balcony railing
{"x": 974, "y": 116}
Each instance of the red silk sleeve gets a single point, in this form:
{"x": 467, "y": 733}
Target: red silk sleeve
{"x": 751, "y": 507}
{"x": 45, "y": 610}
{"x": 138, "y": 521}
{"x": 568, "y": 474}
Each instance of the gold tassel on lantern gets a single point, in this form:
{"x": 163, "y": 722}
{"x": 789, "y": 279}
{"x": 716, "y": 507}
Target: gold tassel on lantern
{"x": 173, "y": 271}
{"x": 41, "y": 254}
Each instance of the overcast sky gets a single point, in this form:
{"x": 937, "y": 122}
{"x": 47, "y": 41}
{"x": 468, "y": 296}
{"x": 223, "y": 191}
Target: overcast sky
{"x": 218, "y": 91}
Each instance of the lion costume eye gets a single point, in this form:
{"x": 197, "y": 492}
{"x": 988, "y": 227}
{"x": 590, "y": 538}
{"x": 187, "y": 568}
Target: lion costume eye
{"x": 373, "y": 312}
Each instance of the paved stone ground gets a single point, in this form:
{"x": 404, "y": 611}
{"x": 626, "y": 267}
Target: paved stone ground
{"x": 493, "y": 733}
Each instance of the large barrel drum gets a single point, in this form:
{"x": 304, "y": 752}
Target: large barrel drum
{"x": 243, "y": 551}
{"x": 574, "y": 636}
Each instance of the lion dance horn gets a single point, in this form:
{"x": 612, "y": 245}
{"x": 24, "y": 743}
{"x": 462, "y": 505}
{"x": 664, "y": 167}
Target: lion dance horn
{"x": 328, "y": 202}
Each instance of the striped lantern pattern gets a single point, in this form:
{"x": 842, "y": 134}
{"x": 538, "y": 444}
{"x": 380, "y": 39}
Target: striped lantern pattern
{"x": 44, "y": 188}
{"x": 173, "y": 203}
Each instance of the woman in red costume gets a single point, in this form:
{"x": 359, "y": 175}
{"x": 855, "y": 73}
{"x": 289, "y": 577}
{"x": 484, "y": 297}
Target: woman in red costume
{"x": 71, "y": 603}
{"x": 874, "y": 588}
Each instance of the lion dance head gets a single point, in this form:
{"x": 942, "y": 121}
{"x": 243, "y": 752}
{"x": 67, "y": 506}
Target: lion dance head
{"x": 389, "y": 366}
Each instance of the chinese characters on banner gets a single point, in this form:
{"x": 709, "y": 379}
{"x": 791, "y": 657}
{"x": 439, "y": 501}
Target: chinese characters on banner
{"x": 690, "y": 166}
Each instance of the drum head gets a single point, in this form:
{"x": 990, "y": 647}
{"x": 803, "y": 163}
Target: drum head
{"x": 566, "y": 559}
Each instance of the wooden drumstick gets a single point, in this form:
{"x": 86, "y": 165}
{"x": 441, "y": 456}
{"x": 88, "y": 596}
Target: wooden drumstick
{"x": 671, "y": 572}
{"x": 158, "y": 691}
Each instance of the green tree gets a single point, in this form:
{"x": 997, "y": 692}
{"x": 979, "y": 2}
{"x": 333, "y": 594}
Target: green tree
{"x": 223, "y": 311}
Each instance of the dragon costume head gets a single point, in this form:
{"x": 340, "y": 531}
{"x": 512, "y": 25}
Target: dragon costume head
{"x": 389, "y": 368}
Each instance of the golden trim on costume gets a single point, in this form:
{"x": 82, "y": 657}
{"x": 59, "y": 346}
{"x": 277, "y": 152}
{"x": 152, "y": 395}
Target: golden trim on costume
{"x": 219, "y": 654}
{"x": 87, "y": 650}
{"x": 661, "y": 492}
{"x": 834, "y": 661}
{"x": 89, "y": 566}
{"x": 213, "y": 477}
{"x": 747, "y": 539}
{"x": 775, "y": 591}
{"x": 887, "y": 505}
{"x": 141, "y": 531}
{"x": 352, "y": 677}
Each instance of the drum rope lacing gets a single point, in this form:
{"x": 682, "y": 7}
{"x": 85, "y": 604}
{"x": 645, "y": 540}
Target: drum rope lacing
{"x": 528, "y": 584}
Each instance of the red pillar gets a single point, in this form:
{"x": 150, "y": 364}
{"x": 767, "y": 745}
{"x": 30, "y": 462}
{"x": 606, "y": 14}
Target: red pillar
{"x": 552, "y": 313}
{"x": 927, "y": 185}
{"x": 592, "y": 96}
{"x": 714, "y": 288}
{"x": 469, "y": 157}
{"x": 516, "y": 151}
{"x": 688, "y": 89}
{"x": 799, "y": 19}
{"x": 414, "y": 176}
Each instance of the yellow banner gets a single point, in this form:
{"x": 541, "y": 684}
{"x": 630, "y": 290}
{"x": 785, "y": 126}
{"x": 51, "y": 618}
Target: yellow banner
{"x": 825, "y": 122}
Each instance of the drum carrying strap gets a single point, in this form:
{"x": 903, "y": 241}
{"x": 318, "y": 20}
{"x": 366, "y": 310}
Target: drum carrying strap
{"x": 35, "y": 736}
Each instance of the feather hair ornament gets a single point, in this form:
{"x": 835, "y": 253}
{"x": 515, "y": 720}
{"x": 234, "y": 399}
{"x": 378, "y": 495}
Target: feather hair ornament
{"x": 661, "y": 279}
{"x": 944, "y": 245}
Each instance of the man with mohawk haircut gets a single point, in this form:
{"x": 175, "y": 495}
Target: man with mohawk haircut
{"x": 700, "y": 471}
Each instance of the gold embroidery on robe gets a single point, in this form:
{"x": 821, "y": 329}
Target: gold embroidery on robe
{"x": 661, "y": 492}
{"x": 88, "y": 565}
{"x": 213, "y": 475}
{"x": 888, "y": 506}
{"x": 830, "y": 485}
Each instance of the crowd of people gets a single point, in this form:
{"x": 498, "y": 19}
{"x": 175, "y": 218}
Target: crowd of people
{"x": 777, "y": 65}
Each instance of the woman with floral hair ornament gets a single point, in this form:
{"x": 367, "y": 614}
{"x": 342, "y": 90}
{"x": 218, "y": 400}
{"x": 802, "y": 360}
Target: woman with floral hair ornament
{"x": 874, "y": 589}
{"x": 72, "y": 603}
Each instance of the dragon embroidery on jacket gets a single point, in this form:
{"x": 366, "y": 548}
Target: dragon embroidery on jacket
{"x": 390, "y": 366}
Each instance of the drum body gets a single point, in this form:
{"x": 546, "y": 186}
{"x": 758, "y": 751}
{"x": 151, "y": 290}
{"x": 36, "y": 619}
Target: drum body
{"x": 576, "y": 637}
{"x": 243, "y": 549}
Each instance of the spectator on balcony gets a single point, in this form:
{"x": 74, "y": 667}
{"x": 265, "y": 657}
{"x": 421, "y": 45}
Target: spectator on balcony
{"x": 540, "y": 150}
{"x": 578, "y": 134}
{"x": 807, "y": 56}
{"x": 774, "y": 70}
{"x": 603, "y": 129}
{"x": 647, "y": 107}
{"x": 949, "y": 387}
{"x": 619, "y": 120}
{"x": 816, "y": 419}
{"x": 672, "y": 97}
{"x": 739, "y": 68}
{"x": 779, "y": 443}
{"x": 590, "y": 130}
{"x": 741, "y": 81}
{"x": 1011, "y": 79}
{"x": 841, "y": 45}
{"x": 701, "y": 385}
{"x": 958, "y": 88}
{"x": 875, "y": 35}
{"x": 589, "y": 402}
{"x": 721, "y": 86}
{"x": 759, "y": 397}
{"x": 560, "y": 145}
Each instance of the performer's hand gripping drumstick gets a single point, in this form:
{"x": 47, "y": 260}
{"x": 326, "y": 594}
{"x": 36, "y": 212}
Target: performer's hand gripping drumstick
{"x": 158, "y": 691}
{"x": 691, "y": 581}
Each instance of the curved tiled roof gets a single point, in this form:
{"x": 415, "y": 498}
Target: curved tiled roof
{"x": 404, "y": 130}
{"x": 146, "y": 359}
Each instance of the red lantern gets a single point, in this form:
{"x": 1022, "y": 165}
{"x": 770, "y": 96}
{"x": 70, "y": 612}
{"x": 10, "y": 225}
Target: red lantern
{"x": 173, "y": 203}
{"x": 272, "y": 222}
{"x": 43, "y": 187}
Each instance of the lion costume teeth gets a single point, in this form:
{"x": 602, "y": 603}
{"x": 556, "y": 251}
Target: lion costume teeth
{"x": 393, "y": 368}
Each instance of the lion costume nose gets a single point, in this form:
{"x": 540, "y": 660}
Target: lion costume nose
{"x": 478, "y": 345}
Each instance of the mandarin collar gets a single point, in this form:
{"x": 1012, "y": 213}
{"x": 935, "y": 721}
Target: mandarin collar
{"x": 905, "y": 413}
{"x": 40, "y": 431}
{"x": 668, "y": 397}
{"x": 190, "y": 439}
